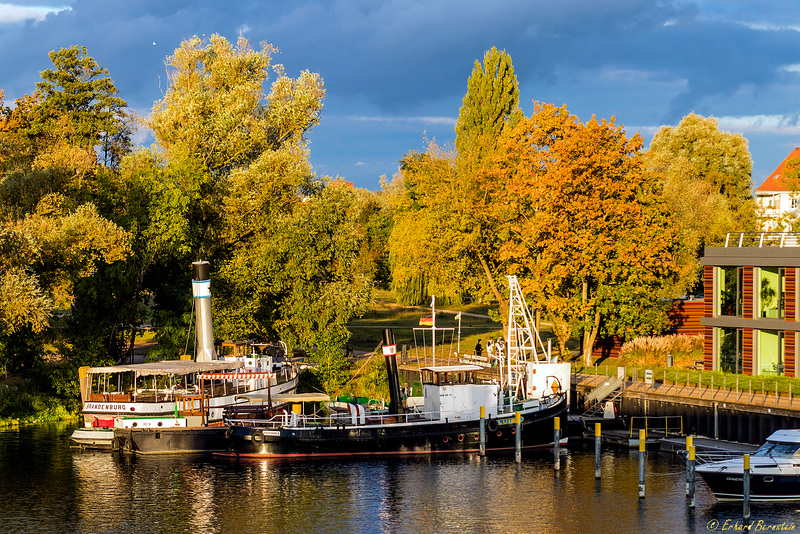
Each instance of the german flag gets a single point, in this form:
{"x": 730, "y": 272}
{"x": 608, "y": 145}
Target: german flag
{"x": 426, "y": 321}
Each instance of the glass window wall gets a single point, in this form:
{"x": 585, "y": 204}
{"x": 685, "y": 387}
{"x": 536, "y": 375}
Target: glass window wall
{"x": 770, "y": 352}
{"x": 771, "y": 292}
{"x": 730, "y": 350}
{"x": 730, "y": 300}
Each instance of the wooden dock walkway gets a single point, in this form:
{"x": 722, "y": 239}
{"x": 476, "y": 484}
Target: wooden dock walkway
{"x": 757, "y": 401}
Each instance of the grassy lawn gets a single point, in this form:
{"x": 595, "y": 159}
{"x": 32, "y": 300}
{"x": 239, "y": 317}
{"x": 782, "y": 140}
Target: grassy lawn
{"x": 385, "y": 313}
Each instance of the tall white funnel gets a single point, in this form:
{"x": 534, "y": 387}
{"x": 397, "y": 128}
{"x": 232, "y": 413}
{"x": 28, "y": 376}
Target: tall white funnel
{"x": 201, "y": 291}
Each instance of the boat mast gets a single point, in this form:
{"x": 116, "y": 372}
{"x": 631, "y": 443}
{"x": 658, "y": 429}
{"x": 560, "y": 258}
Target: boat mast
{"x": 523, "y": 338}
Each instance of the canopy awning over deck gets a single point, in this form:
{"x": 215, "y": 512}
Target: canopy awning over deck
{"x": 168, "y": 367}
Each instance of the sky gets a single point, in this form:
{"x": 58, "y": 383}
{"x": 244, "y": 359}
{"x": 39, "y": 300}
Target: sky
{"x": 396, "y": 71}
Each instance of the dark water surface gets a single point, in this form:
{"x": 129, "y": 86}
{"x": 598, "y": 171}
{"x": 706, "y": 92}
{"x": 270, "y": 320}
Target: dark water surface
{"x": 47, "y": 486}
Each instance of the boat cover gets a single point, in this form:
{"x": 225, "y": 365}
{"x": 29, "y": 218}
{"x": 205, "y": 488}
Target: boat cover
{"x": 169, "y": 367}
{"x": 453, "y": 368}
{"x": 286, "y": 397}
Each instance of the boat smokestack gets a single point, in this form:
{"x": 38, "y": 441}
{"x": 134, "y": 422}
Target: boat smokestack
{"x": 201, "y": 291}
{"x": 390, "y": 355}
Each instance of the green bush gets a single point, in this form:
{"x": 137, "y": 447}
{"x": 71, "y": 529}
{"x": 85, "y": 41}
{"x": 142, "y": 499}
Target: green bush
{"x": 18, "y": 404}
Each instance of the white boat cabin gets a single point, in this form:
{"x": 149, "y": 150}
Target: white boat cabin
{"x": 451, "y": 392}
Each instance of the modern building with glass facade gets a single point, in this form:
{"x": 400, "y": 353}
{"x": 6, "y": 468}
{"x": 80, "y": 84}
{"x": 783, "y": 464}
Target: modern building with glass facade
{"x": 750, "y": 322}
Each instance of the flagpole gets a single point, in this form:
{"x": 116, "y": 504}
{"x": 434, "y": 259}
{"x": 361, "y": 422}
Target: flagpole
{"x": 433, "y": 327}
{"x": 459, "y": 332}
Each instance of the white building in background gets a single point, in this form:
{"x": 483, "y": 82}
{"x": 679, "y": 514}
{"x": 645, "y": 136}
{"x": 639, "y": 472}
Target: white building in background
{"x": 777, "y": 202}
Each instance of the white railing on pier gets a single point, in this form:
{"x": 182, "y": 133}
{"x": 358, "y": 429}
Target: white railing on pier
{"x": 762, "y": 239}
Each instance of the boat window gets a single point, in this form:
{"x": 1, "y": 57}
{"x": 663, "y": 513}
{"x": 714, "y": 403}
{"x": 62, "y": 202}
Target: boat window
{"x": 778, "y": 449}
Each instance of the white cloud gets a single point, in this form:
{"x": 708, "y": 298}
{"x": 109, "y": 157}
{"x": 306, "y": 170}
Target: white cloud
{"x": 14, "y": 13}
{"x": 762, "y": 124}
{"x": 769, "y": 27}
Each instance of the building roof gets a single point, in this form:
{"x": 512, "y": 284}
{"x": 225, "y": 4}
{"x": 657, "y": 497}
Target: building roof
{"x": 774, "y": 182}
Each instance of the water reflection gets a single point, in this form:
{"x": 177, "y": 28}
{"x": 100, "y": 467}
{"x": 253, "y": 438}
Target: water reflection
{"x": 45, "y": 486}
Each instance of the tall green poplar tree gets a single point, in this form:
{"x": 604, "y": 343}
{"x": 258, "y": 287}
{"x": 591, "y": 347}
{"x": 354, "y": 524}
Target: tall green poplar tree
{"x": 439, "y": 219}
{"x": 491, "y": 102}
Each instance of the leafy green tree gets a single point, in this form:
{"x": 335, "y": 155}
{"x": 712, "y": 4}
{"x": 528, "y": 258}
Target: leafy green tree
{"x": 79, "y": 106}
{"x": 442, "y": 244}
{"x": 53, "y": 237}
{"x": 292, "y": 258}
{"x": 584, "y": 225}
{"x": 214, "y": 109}
{"x": 705, "y": 174}
{"x": 303, "y": 279}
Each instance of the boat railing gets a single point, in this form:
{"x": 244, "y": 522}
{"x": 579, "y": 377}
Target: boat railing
{"x": 305, "y": 421}
{"x": 662, "y": 425}
{"x": 705, "y": 457}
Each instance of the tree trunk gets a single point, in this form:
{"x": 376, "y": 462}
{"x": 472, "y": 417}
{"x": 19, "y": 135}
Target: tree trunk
{"x": 562, "y": 335}
{"x": 588, "y": 340}
{"x": 502, "y": 300}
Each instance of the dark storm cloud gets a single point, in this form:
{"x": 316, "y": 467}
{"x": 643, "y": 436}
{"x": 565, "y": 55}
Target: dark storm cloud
{"x": 396, "y": 69}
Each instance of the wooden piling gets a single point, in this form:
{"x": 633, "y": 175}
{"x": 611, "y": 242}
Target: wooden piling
{"x": 642, "y": 443}
{"x": 483, "y": 431}
{"x": 518, "y": 437}
{"x": 597, "y": 427}
{"x": 746, "y": 490}
{"x": 556, "y": 440}
{"x": 689, "y": 477}
{"x": 690, "y": 471}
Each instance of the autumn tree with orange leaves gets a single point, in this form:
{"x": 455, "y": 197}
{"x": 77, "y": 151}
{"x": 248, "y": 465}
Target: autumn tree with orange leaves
{"x": 584, "y": 225}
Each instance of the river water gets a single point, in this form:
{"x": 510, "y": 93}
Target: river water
{"x": 48, "y": 486}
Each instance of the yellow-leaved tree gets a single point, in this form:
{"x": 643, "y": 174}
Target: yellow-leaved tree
{"x": 584, "y": 224}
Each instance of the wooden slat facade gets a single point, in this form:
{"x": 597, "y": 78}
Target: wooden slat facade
{"x": 708, "y": 311}
{"x": 790, "y": 313}
{"x": 790, "y": 302}
{"x": 708, "y": 348}
{"x": 684, "y": 317}
{"x": 789, "y": 344}
{"x": 747, "y": 291}
{"x": 747, "y": 351}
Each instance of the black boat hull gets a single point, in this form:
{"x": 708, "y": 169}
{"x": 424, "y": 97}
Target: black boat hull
{"x": 393, "y": 439}
{"x": 763, "y": 487}
{"x": 170, "y": 440}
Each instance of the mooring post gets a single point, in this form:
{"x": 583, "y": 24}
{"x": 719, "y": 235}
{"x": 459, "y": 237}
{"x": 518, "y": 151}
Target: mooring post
{"x": 518, "y": 436}
{"x": 597, "y": 450}
{"x": 690, "y": 474}
{"x": 483, "y": 431}
{"x": 642, "y": 438}
{"x": 746, "y": 490}
{"x": 556, "y": 440}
